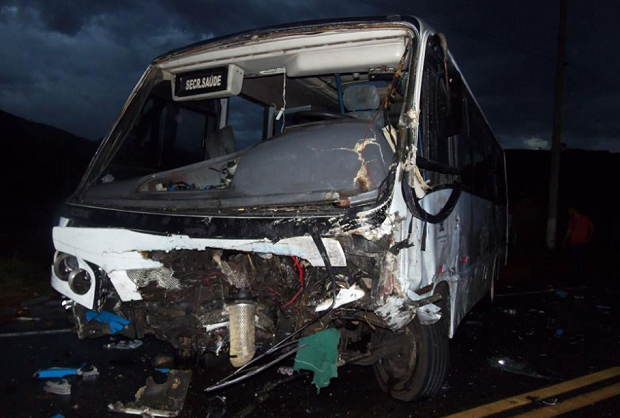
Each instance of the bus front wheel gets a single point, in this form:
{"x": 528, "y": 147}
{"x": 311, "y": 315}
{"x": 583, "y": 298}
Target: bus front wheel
{"x": 417, "y": 370}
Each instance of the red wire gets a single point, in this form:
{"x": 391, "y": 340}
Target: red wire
{"x": 301, "y": 281}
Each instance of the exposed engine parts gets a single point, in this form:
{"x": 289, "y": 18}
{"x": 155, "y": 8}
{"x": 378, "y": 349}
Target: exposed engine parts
{"x": 231, "y": 302}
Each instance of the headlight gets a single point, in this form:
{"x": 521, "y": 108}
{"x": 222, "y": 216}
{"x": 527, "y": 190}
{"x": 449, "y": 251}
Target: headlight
{"x": 79, "y": 281}
{"x": 64, "y": 265}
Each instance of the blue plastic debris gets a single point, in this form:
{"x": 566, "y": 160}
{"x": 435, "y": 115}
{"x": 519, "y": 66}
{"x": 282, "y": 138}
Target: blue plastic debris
{"x": 559, "y": 332}
{"x": 56, "y": 373}
{"x": 58, "y": 416}
{"x": 561, "y": 293}
{"x": 59, "y": 372}
{"x": 115, "y": 322}
{"x": 163, "y": 369}
{"x": 603, "y": 307}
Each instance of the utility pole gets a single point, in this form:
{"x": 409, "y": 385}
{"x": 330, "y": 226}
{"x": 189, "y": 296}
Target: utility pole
{"x": 556, "y": 140}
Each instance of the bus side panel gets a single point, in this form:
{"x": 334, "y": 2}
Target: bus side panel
{"x": 477, "y": 262}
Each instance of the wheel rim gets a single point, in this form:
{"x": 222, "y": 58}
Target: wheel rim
{"x": 396, "y": 369}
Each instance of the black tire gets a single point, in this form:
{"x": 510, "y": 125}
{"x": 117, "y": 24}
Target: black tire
{"x": 417, "y": 371}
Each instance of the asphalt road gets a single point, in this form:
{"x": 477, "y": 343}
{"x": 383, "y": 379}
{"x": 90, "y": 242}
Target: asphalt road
{"x": 559, "y": 337}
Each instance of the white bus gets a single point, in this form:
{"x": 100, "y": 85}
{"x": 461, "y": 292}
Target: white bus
{"x": 264, "y": 186}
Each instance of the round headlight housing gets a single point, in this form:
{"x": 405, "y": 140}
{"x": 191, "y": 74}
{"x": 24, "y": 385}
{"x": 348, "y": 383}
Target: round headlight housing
{"x": 80, "y": 281}
{"x": 64, "y": 265}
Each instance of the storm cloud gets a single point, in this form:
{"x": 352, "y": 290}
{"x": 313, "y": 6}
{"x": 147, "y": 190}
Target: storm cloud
{"x": 71, "y": 63}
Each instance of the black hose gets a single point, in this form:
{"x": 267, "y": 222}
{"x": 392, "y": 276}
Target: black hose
{"x": 413, "y": 203}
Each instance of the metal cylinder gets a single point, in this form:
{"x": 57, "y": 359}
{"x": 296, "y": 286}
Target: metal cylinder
{"x": 242, "y": 332}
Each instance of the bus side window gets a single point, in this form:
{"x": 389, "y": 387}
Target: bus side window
{"x": 442, "y": 117}
{"x": 464, "y": 147}
{"x": 480, "y": 155}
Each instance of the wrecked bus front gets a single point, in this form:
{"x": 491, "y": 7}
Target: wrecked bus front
{"x": 267, "y": 186}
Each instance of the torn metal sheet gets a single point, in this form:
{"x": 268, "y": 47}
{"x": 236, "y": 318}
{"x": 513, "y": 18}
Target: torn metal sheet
{"x": 344, "y": 296}
{"x": 395, "y": 313}
{"x": 429, "y": 314}
{"x": 120, "y": 249}
{"x": 158, "y": 400}
{"x": 127, "y": 290}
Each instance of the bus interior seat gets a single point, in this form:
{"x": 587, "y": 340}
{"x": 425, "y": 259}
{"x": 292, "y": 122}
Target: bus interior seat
{"x": 220, "y": 142}
{"x": 362, "y": 102}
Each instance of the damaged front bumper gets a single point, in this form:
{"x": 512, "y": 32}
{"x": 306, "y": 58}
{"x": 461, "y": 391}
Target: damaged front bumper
{"x": 188, "y": 290}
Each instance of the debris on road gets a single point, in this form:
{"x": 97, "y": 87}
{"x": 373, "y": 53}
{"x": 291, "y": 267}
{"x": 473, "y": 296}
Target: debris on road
{"x": 56, "y": 373}
{"x": 62, "y": 387}
{"x": 561, "y": 293}
{"x": 510, "y": 312}
{"x": 286, "y": 371}
{"x": 515, "y": 366}
{"x": 162, "y": 360}
{"x": 59, "y": 372}
{"x": 536, "y": 311}
{"x": 88, "y": 372}
{"x": 158, "y": 400}
{"x": 124, "y": 345}
{"x": 115, "y": 322}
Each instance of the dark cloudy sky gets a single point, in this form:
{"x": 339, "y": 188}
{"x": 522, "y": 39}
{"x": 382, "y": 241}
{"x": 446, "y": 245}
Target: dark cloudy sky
{"x": 72, "y": 63}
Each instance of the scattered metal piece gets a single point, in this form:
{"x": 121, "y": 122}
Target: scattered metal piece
{"x": 515, "y": 366}
{"x": 158, "y": 400}
{"x": 88, "y": 372}
{"x": 286, "y": 371}
{"x": 552, "y": 401}
{"x": 124, "y": 345}
{"x": 62, "y": 387}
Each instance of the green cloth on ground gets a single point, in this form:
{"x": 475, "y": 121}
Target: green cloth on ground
{"x": 320, "y": 356}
